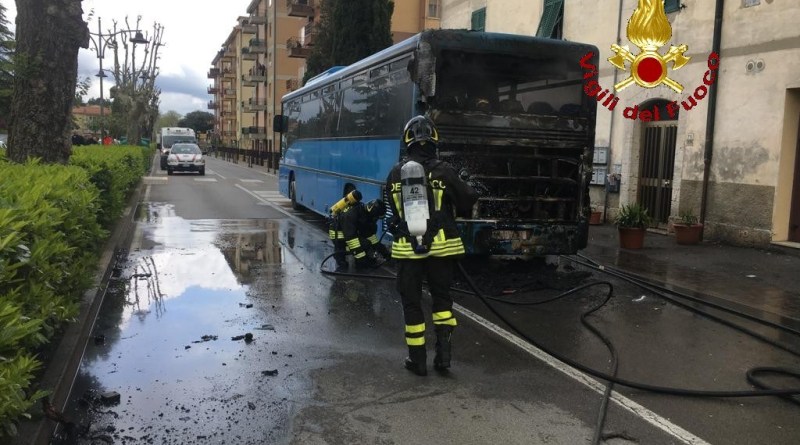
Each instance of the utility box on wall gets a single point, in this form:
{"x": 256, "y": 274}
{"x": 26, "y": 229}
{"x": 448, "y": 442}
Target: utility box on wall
{"x": 599, "y": 166}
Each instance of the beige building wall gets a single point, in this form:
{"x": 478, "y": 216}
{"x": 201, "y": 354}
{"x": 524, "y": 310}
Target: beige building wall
{"x": 505, "y": 16}
{"x": 752, "y": 168}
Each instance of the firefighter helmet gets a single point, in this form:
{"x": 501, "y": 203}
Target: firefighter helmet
{"x": 376, "y": 208}
{"x": 420, "y": 130}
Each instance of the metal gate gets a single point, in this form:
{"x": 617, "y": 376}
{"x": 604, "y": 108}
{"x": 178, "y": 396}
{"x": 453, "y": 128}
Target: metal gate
{"x": 656, "y": 169}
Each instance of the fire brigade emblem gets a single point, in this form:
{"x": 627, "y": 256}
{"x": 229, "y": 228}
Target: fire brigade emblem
{"x": 649, "y": 29}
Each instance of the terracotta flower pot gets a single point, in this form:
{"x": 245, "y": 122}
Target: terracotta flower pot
{"x": 631, "y": 237}
{"x": 687, "y": 234}
{"x": 596, "y": 218}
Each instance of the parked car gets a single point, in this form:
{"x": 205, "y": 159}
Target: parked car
{"x": 186, "y": 157}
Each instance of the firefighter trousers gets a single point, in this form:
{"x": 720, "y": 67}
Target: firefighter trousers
{"x": 438, "y": 272}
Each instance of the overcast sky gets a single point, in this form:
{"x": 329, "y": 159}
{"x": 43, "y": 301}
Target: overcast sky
{"x": 194, "y": 30}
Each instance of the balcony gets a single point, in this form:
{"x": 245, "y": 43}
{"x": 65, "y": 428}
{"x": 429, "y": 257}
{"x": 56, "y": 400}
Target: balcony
{"x": 245, "y": 108}
{"x": 257, "y": 20}
{"x": 229, "y": 73}
{"x": 247, "y": 27}
{"x": 212, "y": 105}
{"x": 256, "y": 75}
{"x": 256, "y": 105}
{"x": 300, "y": 8}
{"x": 292, "y": 84}
{"x": 256, "y": 132}
{"x": 296, "y": 49}
{"x": 213, "y": 73}
{"x": 246, "y": 82}
{"x": 309, "y": 34}
{"x": 212, "y": 89}
{"x": 228, "y": 53}
{"x": 229, "y": 92}
{"x": 229, "y": 133}
{"x": 249, "y": 55}
{"x": 257, "y": 46}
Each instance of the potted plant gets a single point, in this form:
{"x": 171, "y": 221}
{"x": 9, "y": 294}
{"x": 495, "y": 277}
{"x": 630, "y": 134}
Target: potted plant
{"x": 632, "y": 222}
{"x": 595, "y": 217}
{"x": 687, "y": 229}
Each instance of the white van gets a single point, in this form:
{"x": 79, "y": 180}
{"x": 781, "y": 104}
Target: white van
{"x": 170, "y": 135}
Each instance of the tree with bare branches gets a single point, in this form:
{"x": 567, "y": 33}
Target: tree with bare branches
{"x": 136, "y": 97}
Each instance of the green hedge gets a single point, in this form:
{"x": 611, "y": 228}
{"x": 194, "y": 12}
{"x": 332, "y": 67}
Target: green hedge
{"x": 53, "y": 221}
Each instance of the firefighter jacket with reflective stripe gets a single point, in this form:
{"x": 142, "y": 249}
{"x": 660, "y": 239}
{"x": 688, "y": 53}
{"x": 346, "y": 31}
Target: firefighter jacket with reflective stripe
{"x": 448, "y": 197}
{"x": 358, "y": 230}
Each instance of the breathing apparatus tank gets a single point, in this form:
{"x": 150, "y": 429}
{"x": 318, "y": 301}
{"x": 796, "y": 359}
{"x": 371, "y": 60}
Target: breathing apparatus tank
{"x": 415, "y": 201}
{"x": 348, "y": 200}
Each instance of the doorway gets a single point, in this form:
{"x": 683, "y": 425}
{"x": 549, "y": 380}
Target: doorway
{"x": 794, "y": 214}
{"x": 657, "y": 165}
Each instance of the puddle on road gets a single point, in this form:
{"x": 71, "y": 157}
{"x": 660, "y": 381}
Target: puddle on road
{"x": 164, "y": 337}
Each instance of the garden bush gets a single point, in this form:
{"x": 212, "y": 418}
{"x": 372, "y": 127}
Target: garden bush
{"x": 53, "y": 221}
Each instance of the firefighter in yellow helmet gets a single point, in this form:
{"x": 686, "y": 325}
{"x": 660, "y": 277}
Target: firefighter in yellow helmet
{"x": 427, "y": 249}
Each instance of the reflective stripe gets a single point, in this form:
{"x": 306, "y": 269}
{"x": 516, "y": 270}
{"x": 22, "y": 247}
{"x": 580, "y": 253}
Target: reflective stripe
{"x": 444, "y": 318}
{"x": 415, "y": 334}
{"x": 415, "y": 341}
{"x": 353, "y": 244}
{"x": 361, "y": 254}
{"x": 373, "y": 239}
{"x": 437, "y": 196}
{"x": 398, "y": 204}
{"x": 403, "y": 249}
{"x": 415, "y": 328}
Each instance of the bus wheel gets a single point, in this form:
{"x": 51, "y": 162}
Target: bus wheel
{"x": 293, "y": 195}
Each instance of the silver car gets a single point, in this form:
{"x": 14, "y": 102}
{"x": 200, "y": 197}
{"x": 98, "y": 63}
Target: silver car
{"x": 186, "y": 157}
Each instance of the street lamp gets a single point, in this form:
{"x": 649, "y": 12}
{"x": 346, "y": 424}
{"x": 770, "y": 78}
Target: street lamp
{"x": 100, "y": 42}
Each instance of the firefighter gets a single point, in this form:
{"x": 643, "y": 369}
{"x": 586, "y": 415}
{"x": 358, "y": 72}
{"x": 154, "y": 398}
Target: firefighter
{"x": 355, "y": 230}
{"x": 429, "y": 254}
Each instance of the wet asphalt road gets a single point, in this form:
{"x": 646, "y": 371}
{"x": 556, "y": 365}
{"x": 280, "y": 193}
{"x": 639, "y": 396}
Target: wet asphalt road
{"x": 217, "y": 257}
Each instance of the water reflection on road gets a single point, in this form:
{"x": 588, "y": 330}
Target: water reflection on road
{"x": 168, "y": 336}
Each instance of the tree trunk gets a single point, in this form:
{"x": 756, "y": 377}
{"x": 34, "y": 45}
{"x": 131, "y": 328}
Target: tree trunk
{"x": 49, "y": 34}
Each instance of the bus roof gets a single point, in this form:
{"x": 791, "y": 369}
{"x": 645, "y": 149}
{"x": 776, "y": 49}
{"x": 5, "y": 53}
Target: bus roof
{"x": 442, "y": 39}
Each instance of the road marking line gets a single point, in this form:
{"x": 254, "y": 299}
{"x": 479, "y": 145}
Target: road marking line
{"x": 212, "y": 172}
{"x": 252, "y": 181}
{"x": 205, "y": 179}
{"x": 629, "y": 405}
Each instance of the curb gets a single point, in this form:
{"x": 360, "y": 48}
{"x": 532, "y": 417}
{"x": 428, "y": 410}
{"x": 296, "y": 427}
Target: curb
{"x": 63, "y": 361}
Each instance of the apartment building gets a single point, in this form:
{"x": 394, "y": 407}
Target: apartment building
{"x": 263, "y": 58}
{"x": 744, "y": 177}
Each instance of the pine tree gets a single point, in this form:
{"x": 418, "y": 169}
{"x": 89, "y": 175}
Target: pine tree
{"x": 349, "y": 31}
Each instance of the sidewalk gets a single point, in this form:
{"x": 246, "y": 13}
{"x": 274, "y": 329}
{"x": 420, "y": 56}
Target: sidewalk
{"x": 763, "y": 280}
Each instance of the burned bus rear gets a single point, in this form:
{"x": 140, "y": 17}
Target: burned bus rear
{"x": 514, "y": 120}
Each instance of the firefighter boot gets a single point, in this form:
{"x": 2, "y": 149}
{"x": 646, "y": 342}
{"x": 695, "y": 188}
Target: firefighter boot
{"x": 417, "y": 359}
{"x": 443, "y": 349}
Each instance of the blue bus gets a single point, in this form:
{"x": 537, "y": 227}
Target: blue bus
{"x": 512, "y": 117}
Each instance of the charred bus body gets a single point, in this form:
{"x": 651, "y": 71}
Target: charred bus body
{"x": 512, "y": 117}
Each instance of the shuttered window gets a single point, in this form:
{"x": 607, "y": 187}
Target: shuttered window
{"x": 672, "y": 5}
{"x": 479, "y": 20}
{"x": 551, "y": 18}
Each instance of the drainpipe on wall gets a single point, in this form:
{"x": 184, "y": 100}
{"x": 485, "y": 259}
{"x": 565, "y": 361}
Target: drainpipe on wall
{"x": 611, "y": 123}
{"x": 711, "y": 116}
{"x": 267, "y": 121}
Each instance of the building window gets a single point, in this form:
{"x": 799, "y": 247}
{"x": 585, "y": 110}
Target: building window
{"x": 550, "y": 25}
{"x": 672, "y": 5}
{"x": 433, "y": 9}
{"x": 479, "y": 20}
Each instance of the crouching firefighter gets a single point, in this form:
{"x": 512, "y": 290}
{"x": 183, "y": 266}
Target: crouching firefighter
{"x": 334, "y": 230}
{"x": 426, "y": 196}
{"x": 355, "y": 229}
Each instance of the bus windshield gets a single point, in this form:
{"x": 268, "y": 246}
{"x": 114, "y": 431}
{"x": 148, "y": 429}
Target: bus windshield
{"x": 497, "y": 83}
{"x": 167, "y": 141}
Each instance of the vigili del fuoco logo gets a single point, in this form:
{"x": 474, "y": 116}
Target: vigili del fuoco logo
{"x": 648, "y": 29}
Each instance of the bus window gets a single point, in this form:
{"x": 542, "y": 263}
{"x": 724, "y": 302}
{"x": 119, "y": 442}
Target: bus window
{"x": 354, "y": 106}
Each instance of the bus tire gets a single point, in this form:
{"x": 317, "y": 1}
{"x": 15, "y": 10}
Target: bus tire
{"x": 293, "y": 195}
